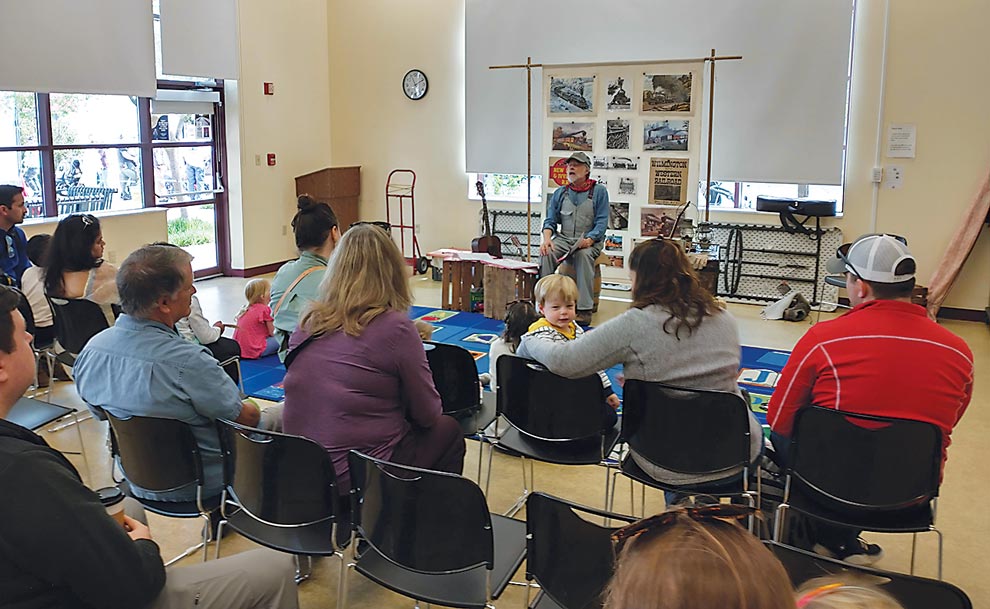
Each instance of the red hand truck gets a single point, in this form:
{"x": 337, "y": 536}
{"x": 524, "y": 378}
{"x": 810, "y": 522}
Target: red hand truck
{"x": 400, "y": 192}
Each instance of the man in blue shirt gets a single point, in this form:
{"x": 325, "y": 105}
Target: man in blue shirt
{"x": 141, "y": 366}
{"x": 14, "y": 259}
{"x": 581, "y": 210}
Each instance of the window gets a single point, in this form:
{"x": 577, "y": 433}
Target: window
{"x": 743, "y": 195}
{"x": 505, "y": 187}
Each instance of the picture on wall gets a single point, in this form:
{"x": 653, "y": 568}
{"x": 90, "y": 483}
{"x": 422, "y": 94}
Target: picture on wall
{"x": 665, "y": 135}
{"x": 616, "y": 97}
{"x": 618, "y": 216}
{"x": 574, "y": 136}
{"x": 616, "y": 261}
{"x": 617, "y": 134}
{"x": 599, "y": 162}
{"x": 623, "y": 162}
{"x": 557, "y": 171}
{"x": 668, "y": 181}
{"x": 627, "y": 185}
{"x": 656, "y": 221}
{"x": 667, "y": 92}
{"x": 613, "y": 243}
{"x": 572, "y": 95}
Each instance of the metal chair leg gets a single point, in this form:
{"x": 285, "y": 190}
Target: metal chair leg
{"x": 220, "y": 527}
{"x": 939, "y": 533}
{"x": 82, "y": 450}
{"x": 914, "y": 547}
{"x": 303, "y": 574}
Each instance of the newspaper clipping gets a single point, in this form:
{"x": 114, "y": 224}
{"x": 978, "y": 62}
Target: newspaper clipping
{"x": 668, "y": 181}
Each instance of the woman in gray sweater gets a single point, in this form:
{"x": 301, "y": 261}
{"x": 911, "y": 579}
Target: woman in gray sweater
{"x": 675, "y": 333}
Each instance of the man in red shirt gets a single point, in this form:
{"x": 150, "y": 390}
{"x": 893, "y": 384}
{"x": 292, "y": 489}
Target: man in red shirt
{"x": 884, "y": 357}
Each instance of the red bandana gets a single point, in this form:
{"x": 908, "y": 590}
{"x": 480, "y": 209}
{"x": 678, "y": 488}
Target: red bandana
{"x": 589, "y": 184}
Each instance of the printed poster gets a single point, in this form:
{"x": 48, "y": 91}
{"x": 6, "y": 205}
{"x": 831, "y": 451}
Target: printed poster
{"x": 668, "y": 181}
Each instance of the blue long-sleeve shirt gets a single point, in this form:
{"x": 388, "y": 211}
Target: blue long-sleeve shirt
{"x": 599, "y": 200}
{"x": 14, "y": 259}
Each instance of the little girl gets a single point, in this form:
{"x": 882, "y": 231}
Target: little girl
{"x": 518, "y": 317}
{"x": 255, "y": 327}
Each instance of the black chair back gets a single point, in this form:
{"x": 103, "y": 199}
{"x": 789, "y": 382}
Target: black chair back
{"x": 546, "y": 406}
{"x": 424, "y": 521}
{"x": 570, "y": 557}
{"x": 277, "y": 478}
{"x": 864, "y": 463}
{"x": 25, "y": 309}
{"x": 156, "y": 454}
{"x": 455, "y": 376}
{"x": 691, "y": 431}
{"x": 911, "y": 591}
{"x": 76, "y": 321}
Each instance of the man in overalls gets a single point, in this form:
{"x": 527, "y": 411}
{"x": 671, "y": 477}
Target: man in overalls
{"x": 581, "y": 211}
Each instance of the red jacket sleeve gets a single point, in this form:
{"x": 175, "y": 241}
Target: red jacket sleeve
{"x": 794, "y": 388}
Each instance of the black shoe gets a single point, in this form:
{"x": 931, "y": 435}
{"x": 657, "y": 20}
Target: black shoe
{"x": 584, "y": 317}
{"x": 860, "y": 553}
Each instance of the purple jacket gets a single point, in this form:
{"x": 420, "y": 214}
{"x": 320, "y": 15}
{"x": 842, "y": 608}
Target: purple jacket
{"x": 361, "y": 393}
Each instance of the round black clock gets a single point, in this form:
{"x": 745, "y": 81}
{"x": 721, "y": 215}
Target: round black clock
{"x": 414, "y": 84}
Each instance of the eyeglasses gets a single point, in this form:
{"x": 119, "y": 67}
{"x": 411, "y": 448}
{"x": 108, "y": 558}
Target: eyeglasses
{"x": 385, "y": 226}
{"x": 705, "y": 513}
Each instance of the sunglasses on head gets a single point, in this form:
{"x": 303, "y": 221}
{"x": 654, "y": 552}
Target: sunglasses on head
{"x": 706, "y": 513}
{"x": 528, "y": 301}
{"x": 385, "y": 226}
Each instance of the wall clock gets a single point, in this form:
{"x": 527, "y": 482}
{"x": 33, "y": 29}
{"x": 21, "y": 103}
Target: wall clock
{"x": 414, "y": 84}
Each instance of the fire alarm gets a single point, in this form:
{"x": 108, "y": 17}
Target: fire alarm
{"x": 269, "y": 88}
{"x": 271, "y": 159}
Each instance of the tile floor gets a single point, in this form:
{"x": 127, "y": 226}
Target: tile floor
{"x": 963, "y": 507}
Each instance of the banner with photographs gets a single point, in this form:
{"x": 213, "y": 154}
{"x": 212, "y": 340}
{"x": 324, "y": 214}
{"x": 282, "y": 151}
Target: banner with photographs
{"x": 667, "y": 92}
{"x": 572, "y": 95}
{"x": 633, "y": 120}
{"x": 668, "y": 181}
{"x": 574, "y": 136}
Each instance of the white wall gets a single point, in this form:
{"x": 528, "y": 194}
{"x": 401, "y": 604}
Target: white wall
{"x": 124, "y": 231}
{"x": 284, "y": 43}
{"x": 930, "y": 82}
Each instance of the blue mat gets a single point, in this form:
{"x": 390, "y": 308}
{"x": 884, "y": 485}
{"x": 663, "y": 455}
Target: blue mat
{"x": 758, "y": 373}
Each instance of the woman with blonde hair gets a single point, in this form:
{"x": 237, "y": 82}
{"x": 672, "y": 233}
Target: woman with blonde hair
{"x": 357, "y": 372}
{"x": 694, "y": 558}
{"x": 674, "y": 333}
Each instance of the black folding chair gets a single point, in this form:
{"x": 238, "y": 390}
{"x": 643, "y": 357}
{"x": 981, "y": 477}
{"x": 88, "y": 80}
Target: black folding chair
{"x": 161, "y": 455}
{"x": 863, "y": 472}
{"x": 570, "y": 557}
{"x": 281, "y": 492}
{"x": 455, "y": 376}
{"x": 76, "y": 321}
{"x": 429, "y": 535}
{"x": 693, "y": 432}
{"x": 551, "y": 419}
{"x": 40, "y": 351}
{"x": 910, "y": 591}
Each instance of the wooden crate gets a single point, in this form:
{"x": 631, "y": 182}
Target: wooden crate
{"x": 503, "y": 286}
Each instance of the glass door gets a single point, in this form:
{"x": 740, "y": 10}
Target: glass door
{"x": 186, "y": 159}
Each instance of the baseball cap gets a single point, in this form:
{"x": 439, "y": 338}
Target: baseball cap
{"x": 580, "y": 157}
{"x": 873, "y": 258}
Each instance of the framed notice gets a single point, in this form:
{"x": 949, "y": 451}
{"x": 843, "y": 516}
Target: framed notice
{"x": 668, "y": 181}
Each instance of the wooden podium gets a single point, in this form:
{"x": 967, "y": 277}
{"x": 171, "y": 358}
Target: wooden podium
{"x": 340, "y": 187}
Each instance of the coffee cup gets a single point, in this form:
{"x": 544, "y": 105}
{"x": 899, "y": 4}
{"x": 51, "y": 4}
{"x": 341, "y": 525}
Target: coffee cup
{"x": 112, "y": 499}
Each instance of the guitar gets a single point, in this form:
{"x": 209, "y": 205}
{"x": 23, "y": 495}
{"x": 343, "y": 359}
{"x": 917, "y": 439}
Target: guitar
{"x": 487, "y": 243}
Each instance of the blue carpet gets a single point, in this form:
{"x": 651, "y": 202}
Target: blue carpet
{"x": 758, "y": 374}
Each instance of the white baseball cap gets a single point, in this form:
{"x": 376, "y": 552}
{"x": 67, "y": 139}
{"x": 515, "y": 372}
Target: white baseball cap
{"x": 873, "y": 258}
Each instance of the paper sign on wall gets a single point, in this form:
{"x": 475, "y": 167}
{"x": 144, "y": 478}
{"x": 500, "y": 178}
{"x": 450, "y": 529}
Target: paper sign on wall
{"x": 901, "y": 141}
